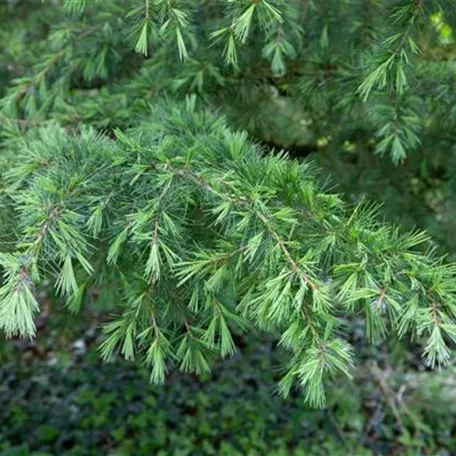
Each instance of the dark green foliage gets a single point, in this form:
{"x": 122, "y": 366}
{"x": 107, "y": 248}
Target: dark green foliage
{"x": 58, "y": 399}
{"x": 381, "y": 70}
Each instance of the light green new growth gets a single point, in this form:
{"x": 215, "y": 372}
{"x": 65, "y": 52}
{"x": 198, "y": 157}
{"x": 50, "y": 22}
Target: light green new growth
{"x": 194, "y": 231}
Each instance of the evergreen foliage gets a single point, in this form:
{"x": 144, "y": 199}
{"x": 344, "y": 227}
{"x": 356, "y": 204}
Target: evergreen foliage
{"x": 189, "y": 228}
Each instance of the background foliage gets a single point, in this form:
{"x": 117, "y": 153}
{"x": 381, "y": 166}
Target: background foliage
{"x": 369, "y": 98}
{"x": 58, "y": 398}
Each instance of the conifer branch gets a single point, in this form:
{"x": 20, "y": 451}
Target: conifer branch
{"x": 192, "y": 229}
